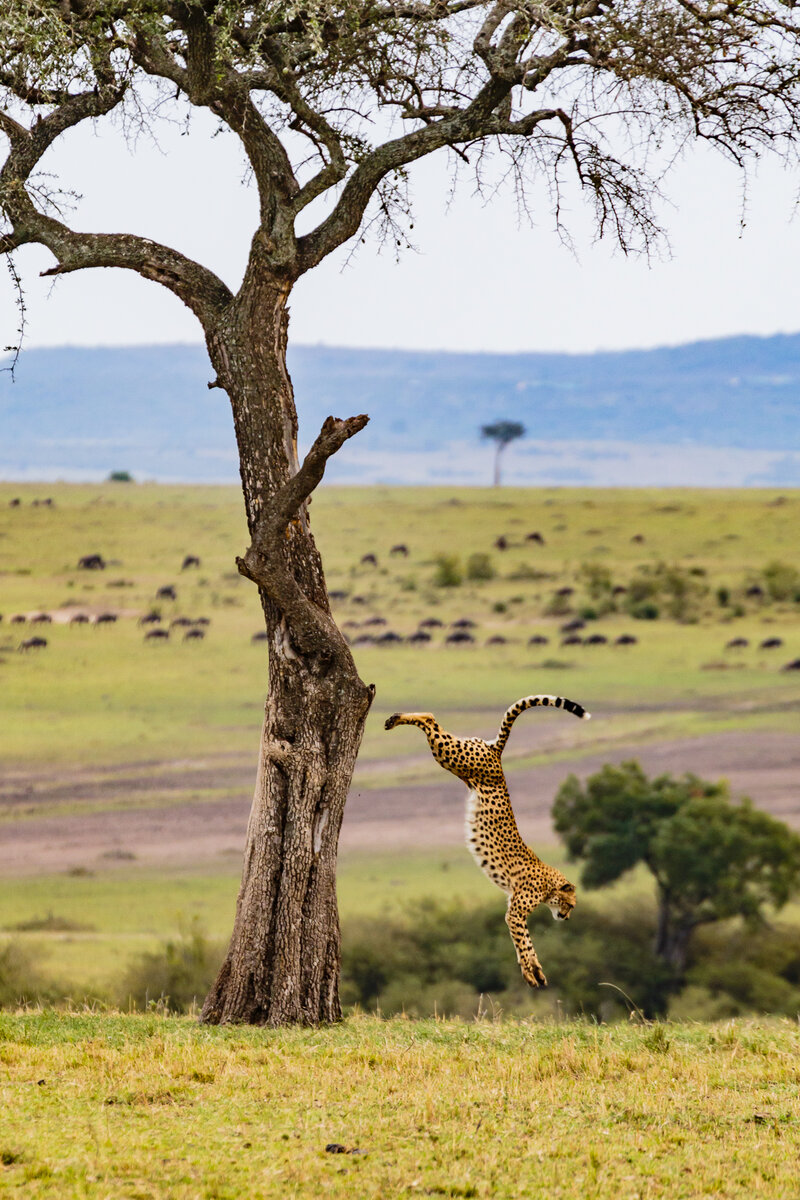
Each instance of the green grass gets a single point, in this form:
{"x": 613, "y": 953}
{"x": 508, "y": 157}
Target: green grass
{"x": 106, "y": 1106}
{"x": 103, "y": 696}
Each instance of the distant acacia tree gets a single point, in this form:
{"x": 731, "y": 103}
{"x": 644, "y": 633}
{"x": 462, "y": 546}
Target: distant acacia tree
{"x": 710, "y": 858}
{"x": 501, "y": 432}
{"x": 331, "y": 102}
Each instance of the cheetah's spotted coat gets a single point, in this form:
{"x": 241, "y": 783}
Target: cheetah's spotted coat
{"x": 491, "y": 829}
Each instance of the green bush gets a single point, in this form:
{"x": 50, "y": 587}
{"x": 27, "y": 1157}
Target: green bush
{"x": 448, "y": 571}
{"x": 723, "y": 596}
{"x": 174, "y": 977}
{"x": 21, "y": 981}
{"x": 781, "y": 580}
{"x": 120, "y": 477}
{"x": 645, "y": 611}
{"x": 479, "y": 567}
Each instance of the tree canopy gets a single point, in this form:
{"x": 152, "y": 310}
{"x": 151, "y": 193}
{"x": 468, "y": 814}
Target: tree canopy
{"x": 711, "y": 859}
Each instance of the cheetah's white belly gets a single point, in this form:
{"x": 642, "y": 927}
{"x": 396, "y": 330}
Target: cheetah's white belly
{"x": 479, "y": 853}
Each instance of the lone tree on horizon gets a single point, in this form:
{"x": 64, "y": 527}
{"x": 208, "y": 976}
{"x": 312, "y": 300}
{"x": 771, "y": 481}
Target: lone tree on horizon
{"x": 332, "y": 101}
{"x": 503, "y": 433}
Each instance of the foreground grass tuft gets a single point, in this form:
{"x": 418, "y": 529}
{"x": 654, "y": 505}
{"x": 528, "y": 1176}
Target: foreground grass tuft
{"x": 142, "y": 1106}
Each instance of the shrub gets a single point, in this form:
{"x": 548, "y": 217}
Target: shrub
{"x": 597, "y": 580}
{"x": 781, "y": 580}
{"x": 646, "y": 611}
{"x": 479, "y": 567}
{"x": 20, "y": 979}
{"x": 176, "y": 976}
{"x": 448, "y": 571}
{"x": 120, "y": 477}
{"x": 723, "y": 596}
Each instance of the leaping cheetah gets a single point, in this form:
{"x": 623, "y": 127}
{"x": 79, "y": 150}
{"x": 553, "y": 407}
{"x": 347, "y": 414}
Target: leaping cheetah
{"x": 491, "y": 829}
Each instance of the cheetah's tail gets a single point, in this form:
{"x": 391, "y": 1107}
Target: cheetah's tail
{"x": 532, "y": 702}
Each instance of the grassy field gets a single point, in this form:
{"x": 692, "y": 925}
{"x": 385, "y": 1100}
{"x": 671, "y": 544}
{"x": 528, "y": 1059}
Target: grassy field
{"x": 100, "y": 694}
{"x": 111, "y": 1106}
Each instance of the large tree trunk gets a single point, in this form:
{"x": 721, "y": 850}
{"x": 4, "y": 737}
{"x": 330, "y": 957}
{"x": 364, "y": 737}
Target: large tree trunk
{"x": 282, "y": 965}
{"x": 673, "y": 936}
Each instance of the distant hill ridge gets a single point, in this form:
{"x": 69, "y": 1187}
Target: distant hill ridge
{"x": 80, "y": 412}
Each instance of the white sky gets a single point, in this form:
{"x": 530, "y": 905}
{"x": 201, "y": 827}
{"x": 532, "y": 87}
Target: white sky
{"x": 480, "y": 280}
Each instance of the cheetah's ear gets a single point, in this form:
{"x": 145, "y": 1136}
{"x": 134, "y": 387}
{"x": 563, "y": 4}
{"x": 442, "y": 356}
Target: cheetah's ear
{"x": 567, "y": 887}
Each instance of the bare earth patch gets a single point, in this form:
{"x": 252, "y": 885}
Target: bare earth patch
{"x": 152, "y": 813}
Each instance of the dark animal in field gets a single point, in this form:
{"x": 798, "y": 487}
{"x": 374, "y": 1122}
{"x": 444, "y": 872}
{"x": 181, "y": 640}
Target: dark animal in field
{"x": 754, "y": 592}
{"x": 34, "y": 643}
{"x": 573, "y": 626}
{"x": 535, "y": 537}
{"x": 191, "y": 560}
{"x": 501, "y": 543}
{"x": 181, "y": 622}
{"x": 202, "y": 621}
{"x": 538, "y": 639}
{"x": 794, "y": 665}
{"x": 359, "y": 599}
{"x": 92, "y": 562}
{"x": 261, "y": 636}
{"x": 48, "y": 502}
{"x": 619, "y": 590}
{"x": 151, "y": 618}
{"x": 497, "y": 640}
{"x": 565, "y": 591}
{"x": 366, "y": 639}
{"x": 737, "y": 643}
{"x": 15, "y": 503}
{"x": 375, "y": 621}
{"x": 351, "y": 625}
{"x": 400, "y": 548}
{"x": 339, "y": 595}
{"x": 166, "y": 593}
{"x": 572, "y": 640}
{"x": 771, "y": 643}
{"x": 596, "y": 639}
{"x": 431, "y": 623}
{"x": 79, "y": 619}
{"x": 194, "y": 635}
{"x": 638, "y": 537}
{"x": 41, "y": 619}
{"x": 463, "y": 623}
{"x": 419, "y": 637}
{"x": 388, "y": 639}
{"x": 18, "y": 619}
{"x": 369, "y": 560}
{"x": 626, "y": 639}
{"x": 156, "y": 635}
{"x": 106, "y": 619}
{"x": 459, "y": 638}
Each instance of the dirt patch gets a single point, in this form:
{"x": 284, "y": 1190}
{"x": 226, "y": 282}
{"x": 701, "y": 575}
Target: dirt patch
{"x": 765, "y": 766}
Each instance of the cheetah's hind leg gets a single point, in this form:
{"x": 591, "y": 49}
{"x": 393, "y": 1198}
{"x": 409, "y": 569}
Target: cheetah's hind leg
{"x": 520, "y": 904}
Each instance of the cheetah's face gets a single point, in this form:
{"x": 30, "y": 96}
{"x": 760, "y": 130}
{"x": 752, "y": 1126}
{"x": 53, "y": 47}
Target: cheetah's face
{"x": 562, "y": 901}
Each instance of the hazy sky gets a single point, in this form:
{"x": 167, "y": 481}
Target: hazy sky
{"x": 479, "y": 279}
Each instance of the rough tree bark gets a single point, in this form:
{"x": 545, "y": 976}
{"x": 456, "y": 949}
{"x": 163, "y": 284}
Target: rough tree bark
{"x": 283, "y": 961}
{"x": 673, "y": 937}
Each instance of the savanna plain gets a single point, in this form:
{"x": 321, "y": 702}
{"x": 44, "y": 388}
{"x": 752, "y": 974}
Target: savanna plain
{"x": 127, "y": 766}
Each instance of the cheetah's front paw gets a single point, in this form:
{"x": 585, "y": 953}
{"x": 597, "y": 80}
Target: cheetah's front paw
{"x": 534, "y": 975}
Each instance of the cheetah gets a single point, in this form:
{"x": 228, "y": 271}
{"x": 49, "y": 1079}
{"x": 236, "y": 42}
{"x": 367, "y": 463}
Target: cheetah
{"x": 491, "y": 830}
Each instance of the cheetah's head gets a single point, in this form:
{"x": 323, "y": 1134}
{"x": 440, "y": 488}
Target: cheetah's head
{"x": 420, "y": 719}
{"x": 562, "y": 901}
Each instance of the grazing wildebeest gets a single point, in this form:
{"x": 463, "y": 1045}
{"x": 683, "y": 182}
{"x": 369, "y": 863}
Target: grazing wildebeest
{"x": 794, "y": 665}
{"x": 573, "y": 626}
{"x": 638, "y": 538}
{"x": 166, "y": 593}
{"x": 41, "y": 619}
{"x": 497, "y": 640}
{"x": 400, "y": 548}
{"x": 431, "y": 623}
{"x": 596, "y": 639}
{"x": 771, "y": 643}
{"x": 34, "y": 643}
{"x": 151, "y": 618}
{"x": 538, "y": 639}
{"x": 105, "y": 619}
{"x": 369, "y": 560}
{"x": 366, "y": 639}
{"x": 156, "y": 635}
{"x": 626, "y": 639}
{"x": 15, "y": 503}
{"x": 359, "y": 599}
{"x": 18, "y": 619}
{"x": 92, "y": 562}
{"x": 194, "y": 635}
{"x": 374, "y": 621}
{"x": 181, "y": 622}
{"x": 79, "y": 619}
{"x": 754, "y": 592}
{"x": 387, "y": 639}
{"x": 460, "y": 637}
{"x": 572, "y": 640}
{"x": 501, "y": 543}
{"x": 191, "y": 560}
{"x": 419, "y": 637}
{"x": 463, "y": 623}
{"x": 565, "y": 591}
{"x": 338, "y": 595}
{"x": 261, "y": 636}
{"x": 202, "y": 621}
{"x": 737, "y": 643}
{"x": 535, "y": 537}
{"x": 619, "y": 590}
